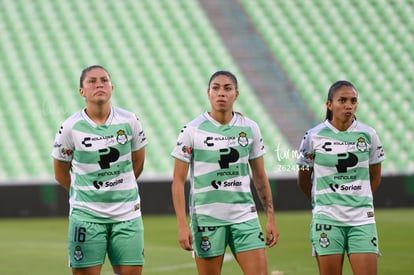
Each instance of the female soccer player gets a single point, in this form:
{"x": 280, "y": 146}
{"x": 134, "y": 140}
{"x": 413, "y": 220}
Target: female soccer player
{"x": 340, "y": 168}
{"x": 218, "y": 146}
{"x": 98, "y": 156}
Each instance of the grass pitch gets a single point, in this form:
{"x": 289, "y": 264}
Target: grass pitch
{"x": 38, "y": 246}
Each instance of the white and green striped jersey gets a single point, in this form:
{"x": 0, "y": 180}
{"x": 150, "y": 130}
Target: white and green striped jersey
{"x": 219, "y": 157}
{"x": 341, "y": 189}
{"x": 103, "y": 185}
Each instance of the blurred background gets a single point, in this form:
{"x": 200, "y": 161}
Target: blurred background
{"x": 161, "y": 53}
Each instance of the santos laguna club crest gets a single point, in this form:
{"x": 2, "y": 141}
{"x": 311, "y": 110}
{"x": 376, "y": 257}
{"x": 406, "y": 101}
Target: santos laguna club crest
{"x": 121, "y": 137}
{"x": 361, "y": 144}
{"x": 324, "y": 241}
{"x": 205, "y": 244}
{"x": 243, "y": 140}
{"x": 78, "y": 254}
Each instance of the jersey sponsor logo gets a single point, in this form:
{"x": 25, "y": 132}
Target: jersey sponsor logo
{"x": 99, "y": 184}
{"x": 242, "y": 140}
{"x": 327, "y": 146}
{"x": 361, "y": 145}
{"x": 227, "y": 156}
{"x": 344, "y": 177}
{"x": 346, "y": 160}
{"x": 335, "y": 187}
{"x": 109, "y": 173}
{"x": 228, "y": 173}
{"x": 208, "y": 141}
{"x": 218, "y": 183}
{"x": 107, "y": 156}
{"x": 87, "y": 141}
{"x": 374, "y": 241}
{"x": 260, "y": 236}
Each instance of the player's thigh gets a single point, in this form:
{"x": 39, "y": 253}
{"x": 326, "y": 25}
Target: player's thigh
{"x": 364, "y": 263}
{"x": 330, "y": 264}
{"x": 126, "y": 243}
{"x": 328, "y": 239}
{"x": 258, "y": 266}
{"x": 363, "y": 249}
{"x": 209, "y": 241}
{"x": 127, "y": 269}
{"x": 87, "y": 243}
{"x": 209, "y": 266}
{"x": 94, "y": 270}
{"x": 246, "y": 236}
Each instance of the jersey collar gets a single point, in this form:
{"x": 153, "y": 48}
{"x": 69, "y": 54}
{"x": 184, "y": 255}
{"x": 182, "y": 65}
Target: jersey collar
{"x": 218, "y": 124}
{"x": 92, "y": 123}
{"x": 350, "y": 128}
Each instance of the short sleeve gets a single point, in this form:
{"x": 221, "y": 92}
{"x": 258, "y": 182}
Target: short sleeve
{"x": 184, "y": 147}
{"x": 306, "y": 152}
{"x": 258, "y": 148}
{"x": 139, "y": 139}
{"x": 377, "y": 154}
{"x": 63, "y": 146}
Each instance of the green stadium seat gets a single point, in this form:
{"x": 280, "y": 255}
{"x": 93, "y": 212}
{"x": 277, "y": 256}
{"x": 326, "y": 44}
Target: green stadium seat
{"x": 356, "y": 40}
{"x": 160, "y": 54}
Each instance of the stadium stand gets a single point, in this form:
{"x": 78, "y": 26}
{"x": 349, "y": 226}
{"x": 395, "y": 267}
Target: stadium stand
{"x": 159, "y": 53}
{"x": 367, "y": 42}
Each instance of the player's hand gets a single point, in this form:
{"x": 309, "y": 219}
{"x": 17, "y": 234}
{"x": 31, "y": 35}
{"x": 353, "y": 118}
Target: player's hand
{"x": 272, "y": 234}
{"x": 185, "y": 238}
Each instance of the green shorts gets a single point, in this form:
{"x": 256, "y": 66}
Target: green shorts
{"x": 330, "y": 239}
{"x": 89, "y": 242}
{"x": 211, "y": 241}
